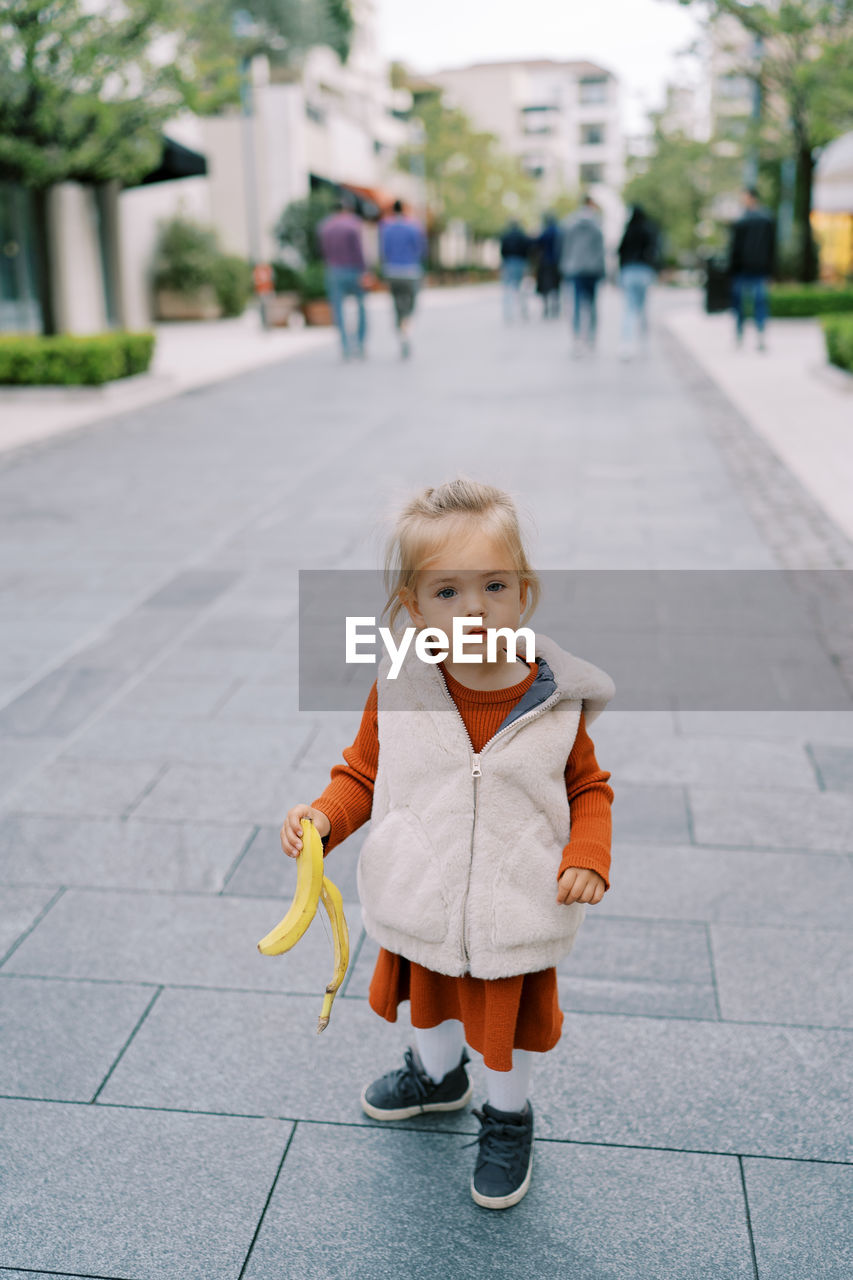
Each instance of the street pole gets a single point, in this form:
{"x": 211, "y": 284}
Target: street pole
{"x": 244, "y": 25}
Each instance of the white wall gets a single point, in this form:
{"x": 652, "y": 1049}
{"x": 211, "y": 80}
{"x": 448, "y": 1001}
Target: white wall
{"x": 78, "y": 278}
{"x": 141, "y": 209}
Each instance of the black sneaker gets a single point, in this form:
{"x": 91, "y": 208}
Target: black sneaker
{"x": 409, "y": 1091}
{"x": 505, "y": 1163}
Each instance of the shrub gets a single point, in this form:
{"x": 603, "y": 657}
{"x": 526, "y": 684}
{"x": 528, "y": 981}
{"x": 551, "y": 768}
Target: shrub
{"x": 312, "y": 282}
{"x": 70, "y": 360}
{"x": 185, "y": 257}
{"x": 296, "y": 229}
{"x": 286, "y": 279}
{"x": 809, "y": 300}
{"x": 232, "y": 280}
{"x": 838, "y": 333}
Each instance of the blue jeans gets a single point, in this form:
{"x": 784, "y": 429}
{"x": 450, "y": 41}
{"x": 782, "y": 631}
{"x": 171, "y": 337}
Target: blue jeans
{"x": 584, "y": 288}
{"x": 756, "y": 288}
{"x": 341, "y": 282}
{"x": 636, "y": 278}
{"x": 512, "y": 275}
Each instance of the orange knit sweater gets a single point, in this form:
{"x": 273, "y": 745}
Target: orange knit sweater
{"x": 520, "y": 1012}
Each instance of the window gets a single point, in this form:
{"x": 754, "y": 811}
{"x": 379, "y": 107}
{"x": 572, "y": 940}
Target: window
{"x": 538, "y": 119}
{"x": 593, "y": 89}
{"x": 592, "y": 135}
{"x": 734, "y": 86}
{"x": 592, "y": 173}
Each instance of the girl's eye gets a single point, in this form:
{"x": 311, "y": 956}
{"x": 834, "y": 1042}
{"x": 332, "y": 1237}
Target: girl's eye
{"x": 496, "y": 584}
{"x": 440, "y": 594}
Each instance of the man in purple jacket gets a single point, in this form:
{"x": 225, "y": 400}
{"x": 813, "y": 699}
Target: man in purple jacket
{"x": 343, "y": 253}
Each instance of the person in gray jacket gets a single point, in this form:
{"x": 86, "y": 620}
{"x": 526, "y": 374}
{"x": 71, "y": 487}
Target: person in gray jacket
{"x": 582, "y": 266}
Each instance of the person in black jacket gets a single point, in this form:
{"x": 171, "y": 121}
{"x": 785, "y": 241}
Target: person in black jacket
{"x": 639, "y": 255}
{"x": 515, "y": 250}
{"x": 752, "y": 254}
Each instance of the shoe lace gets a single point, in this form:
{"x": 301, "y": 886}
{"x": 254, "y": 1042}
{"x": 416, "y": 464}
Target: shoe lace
{"x": 411, "y": 1078}
{"x": 498, "y": 1140}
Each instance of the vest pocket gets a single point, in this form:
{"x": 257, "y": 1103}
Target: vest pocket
{"x": 399, "y": 878}
{"x": 525, "y": 911}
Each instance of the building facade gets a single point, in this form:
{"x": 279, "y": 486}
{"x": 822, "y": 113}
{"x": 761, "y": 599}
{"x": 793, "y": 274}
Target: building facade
{"x": 563, "y": 120}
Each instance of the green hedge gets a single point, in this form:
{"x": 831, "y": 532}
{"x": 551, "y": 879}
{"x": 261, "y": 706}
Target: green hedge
{"x": 232, "y": 280}
{"x": 71, "y": 361}
{"x": 838, "y": 332}
{"x": 809, "y": 300}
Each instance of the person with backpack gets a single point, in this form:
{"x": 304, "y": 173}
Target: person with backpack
{"x": 752, "y": 255}
{"x": 582, "y": 266}
{"x": 639, "y": 260}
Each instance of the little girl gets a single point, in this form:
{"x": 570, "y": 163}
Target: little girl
{"x": 490, "y": 829}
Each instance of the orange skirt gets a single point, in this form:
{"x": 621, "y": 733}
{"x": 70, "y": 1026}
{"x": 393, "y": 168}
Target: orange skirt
{"x": 498, "y": 1015}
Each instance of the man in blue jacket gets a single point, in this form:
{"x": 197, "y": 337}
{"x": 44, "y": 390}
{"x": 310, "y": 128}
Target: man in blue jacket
{"x": 402, "y": 249}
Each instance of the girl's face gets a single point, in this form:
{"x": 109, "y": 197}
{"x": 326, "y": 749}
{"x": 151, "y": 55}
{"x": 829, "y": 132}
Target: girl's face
{"x": 472, "y": 579}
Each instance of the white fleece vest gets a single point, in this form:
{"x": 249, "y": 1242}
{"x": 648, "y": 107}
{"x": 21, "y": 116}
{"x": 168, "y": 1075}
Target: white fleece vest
{"x": 459, "y": 870}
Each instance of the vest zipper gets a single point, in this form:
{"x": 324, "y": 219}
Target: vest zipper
{"x": 476, "y": 774}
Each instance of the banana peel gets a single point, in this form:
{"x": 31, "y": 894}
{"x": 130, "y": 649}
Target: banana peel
{"x": 312, "y": 887}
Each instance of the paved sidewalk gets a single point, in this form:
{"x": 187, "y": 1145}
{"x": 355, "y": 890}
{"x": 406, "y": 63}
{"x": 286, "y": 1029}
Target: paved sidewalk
{"x": 799, "y": 404}
{"x": 166, "y": 1109}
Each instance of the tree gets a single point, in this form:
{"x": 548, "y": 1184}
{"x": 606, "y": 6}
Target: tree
{"x": 677, "y": 185}
{"x": 467, "y": 176}
{"x": 807, "y": 89}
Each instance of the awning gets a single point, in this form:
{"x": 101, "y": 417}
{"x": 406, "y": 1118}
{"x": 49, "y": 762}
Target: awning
{"x": 177, "y": 161}
{"x": 370, "y": 202}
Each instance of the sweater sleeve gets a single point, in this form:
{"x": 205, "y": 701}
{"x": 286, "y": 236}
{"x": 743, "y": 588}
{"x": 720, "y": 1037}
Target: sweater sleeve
{"x": 590, "y": 799}
{"x": 348, "y": 799}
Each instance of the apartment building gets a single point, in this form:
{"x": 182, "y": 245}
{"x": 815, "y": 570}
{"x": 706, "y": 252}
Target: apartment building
{"x": 562, "y": 119}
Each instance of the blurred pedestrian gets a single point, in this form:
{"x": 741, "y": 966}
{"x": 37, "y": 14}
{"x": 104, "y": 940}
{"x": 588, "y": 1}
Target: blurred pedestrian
{"x": 515, "y": 251}
{"x": 639, "y": 260}
{"x": 582, "y": 266}
{"x": 752, "y": 255}
{"x": 547, "y": 246}
{"x": 402, "y": 250}
{"x": 340, "y": 237}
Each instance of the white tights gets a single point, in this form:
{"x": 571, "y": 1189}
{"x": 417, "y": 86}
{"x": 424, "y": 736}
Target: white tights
{"x": 440, "y": 1050}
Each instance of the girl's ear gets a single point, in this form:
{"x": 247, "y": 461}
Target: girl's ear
{"x": 409, "y": 600}
{"x": 524, "y": 587}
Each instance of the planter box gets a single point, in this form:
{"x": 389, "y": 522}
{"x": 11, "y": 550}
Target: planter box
{"x": 279, "y": 307}
{"x": 202, "y": 305}
{"x": 317, "y": 312}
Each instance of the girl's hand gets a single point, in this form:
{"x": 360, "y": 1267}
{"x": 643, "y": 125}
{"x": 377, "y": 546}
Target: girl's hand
{"x": 580, "y": 884}
{"x": 291, "y": 831}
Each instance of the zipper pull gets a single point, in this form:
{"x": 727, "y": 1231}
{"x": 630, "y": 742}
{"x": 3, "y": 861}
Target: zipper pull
{"x": 476, "y": 772}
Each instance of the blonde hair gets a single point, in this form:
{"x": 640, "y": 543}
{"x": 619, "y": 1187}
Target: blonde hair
{"x": 434, "y": 518}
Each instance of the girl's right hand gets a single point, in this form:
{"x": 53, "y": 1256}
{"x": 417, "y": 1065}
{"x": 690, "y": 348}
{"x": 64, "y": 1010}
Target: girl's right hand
{"x": 291, "y": 831}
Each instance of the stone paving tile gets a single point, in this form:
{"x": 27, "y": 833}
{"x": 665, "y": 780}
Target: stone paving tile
{"x": 661, "y": 951}
{"x": 118, "y": 736}
{"x": 135, "y": 1194}
{"x": 134, "y": 640}
{"x": 110, "y": 853}
{"x": 769, "y": 819}
{"x": 712, "y": 1086}
{"x": 192, "y": 589}
{"x": 654, "y": 999}
{"x": 260, "y": 702}
{"x": 189, "y": 699}
{"x": 801, "y": 1222}
{"x": 197, "y": 662}
{"x": 636, "y": 1081}
{"x": 710, "y": 762}
{"x": 245, "y": 631}
{"x": 784, "y": 975}
{"x": 792, "y": 726}
{"x": 82, "y": 788}
{"x": 216, "y": 793}
{"x": 19, "y": 909}
{"x": 266, "y": 872}
{"x": 60, "y": 702}
{"x": 835, "y": 764}
{"x": 730, "y": 886}
{"x": 651, "y": 813}
{"x": 89, "y": 1023}
{"x": 19, "y": 756}
{"x": 402, "y": 1200}
{"x": 186, "y": 939}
